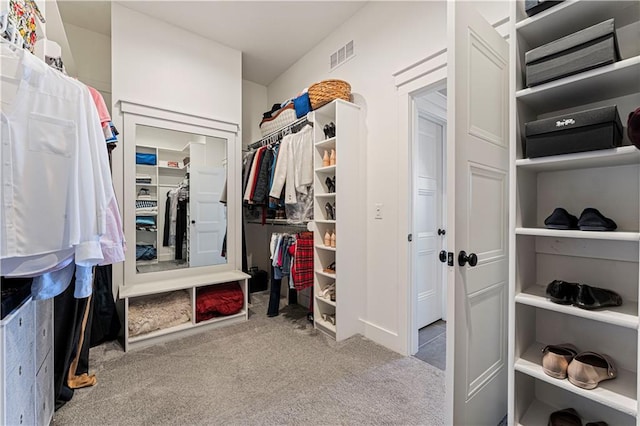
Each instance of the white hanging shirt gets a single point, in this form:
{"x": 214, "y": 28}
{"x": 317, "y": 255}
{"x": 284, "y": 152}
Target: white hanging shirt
{"x": 56, "y": 185}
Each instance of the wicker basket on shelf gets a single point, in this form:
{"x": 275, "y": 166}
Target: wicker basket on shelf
{"x": 327, "y": 90}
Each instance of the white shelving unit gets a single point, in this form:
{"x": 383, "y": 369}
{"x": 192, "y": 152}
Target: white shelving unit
{"x": 608, "y": 180}
{"x": 348, "y": 225}
{"x": 163, "y": 178}
{"x": 191, "y": 327}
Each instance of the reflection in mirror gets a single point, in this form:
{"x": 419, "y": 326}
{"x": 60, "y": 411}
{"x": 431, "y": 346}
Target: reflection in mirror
{"x": 180, "y": 199}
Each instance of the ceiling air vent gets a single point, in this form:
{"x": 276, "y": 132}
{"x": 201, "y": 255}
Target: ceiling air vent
{"x": 343, "y": 54}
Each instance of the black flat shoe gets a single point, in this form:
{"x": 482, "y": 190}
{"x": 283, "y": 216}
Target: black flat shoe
{"x": 561, "y": 219}
{"x": 582, "y": 296}
{"x": 566, "y": 417}
{"x": 562, "y": 292}
{"x": 593, "y": 297}
{"x": 326, "y": 131}
{"x": 592, "y": 220}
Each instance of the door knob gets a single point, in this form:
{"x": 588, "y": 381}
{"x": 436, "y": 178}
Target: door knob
{"x": 441, "y": 232}
{"x": 443, "y": 256}
{"x": 193, "y": 221}
{"x": 463, "y": 258}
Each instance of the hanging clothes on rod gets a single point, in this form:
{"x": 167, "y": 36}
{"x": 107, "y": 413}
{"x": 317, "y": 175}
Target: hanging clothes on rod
{"x": 281, "y": 174}
{"x": 291, "y": 257}
{"x": 51, "y": 129}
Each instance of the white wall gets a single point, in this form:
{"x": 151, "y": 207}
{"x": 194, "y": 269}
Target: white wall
{"x": 92, "y": 55}
{"x": 388, "y": 36}
{"x": 159, "y": 65}
{"x": 254, "y": 103}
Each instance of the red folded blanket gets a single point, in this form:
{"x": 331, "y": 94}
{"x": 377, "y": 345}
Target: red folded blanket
{"x": 218, "y": 300}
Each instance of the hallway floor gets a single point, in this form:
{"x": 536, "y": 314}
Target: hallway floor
{"x": 432, "y": 343}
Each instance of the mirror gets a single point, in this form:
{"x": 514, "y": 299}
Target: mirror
{"x": 180, "y": 199}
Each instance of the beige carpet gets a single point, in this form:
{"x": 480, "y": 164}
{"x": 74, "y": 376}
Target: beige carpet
{"x": 265, "y": 371}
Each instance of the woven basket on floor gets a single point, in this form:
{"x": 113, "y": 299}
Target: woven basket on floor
{"x": 327, "y": 90}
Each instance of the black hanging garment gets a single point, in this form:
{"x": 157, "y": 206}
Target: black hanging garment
{"x": 105, "y": 324}
{"x": 68, "y": 313}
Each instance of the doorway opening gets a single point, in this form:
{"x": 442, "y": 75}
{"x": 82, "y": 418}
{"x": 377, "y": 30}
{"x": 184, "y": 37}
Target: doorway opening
{"x": 428, "y": 216}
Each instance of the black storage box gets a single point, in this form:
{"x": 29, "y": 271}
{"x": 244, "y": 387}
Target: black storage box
{"x": 533, "y": 7}
{"x": 13, "y": 291}
{"x": 259, "y": 280}
{"x": 590, "y": 48}
{"x": 590, "y": 130}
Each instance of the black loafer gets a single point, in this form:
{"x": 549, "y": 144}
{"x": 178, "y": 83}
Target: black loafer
{"x": 561, "y": 219}
{"x": 562, "y": 292}
{"x": 592, "y": 220}
{"x": 593, "y": 297}
{"x": 566, "y": 417}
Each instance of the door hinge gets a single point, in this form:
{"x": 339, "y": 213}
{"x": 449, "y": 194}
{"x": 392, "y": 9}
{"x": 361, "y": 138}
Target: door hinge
{"x": 410, "y": 237}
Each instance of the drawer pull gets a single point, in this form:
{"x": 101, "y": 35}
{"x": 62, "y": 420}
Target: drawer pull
{"x": 20, "y": 371}
{"x": 44, "y": 332}
{"x": 20, "y": 418}
{"x": 20, "y": 322}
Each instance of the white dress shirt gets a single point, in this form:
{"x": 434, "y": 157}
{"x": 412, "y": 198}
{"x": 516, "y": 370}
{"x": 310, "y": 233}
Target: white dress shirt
{"x": 56, "y": 184}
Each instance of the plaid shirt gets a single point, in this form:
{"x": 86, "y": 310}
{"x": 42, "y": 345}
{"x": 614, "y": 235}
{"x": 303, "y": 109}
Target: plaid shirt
{"x": 303, "y": 261}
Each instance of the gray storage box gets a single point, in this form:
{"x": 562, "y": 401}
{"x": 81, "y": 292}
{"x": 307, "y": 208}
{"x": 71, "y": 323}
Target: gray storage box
{"x": 581, "y": 51}
{"x": 533, "y": 7}
{"x": 589, "y": 130}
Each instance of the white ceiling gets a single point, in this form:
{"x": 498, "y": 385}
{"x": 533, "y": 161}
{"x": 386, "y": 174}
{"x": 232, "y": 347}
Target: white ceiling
{"x": 272, "y": 35}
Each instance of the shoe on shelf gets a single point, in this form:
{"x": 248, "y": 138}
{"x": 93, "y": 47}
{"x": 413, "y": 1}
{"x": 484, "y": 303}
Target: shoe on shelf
{"x": 592, "y": 220}
{"x": 329, "y": 292}
{"x": 589, "y": 297}
{"x": 589, "y": 368}
{"x": 329, "y": 318}
{"x": 330, "y": 213}
{"x": 562, "y": 292}
{"x": 326, "y": 159}
{"x": 582, "y": 295}
{"x": 332, "y": 158}
{"x": 556, "y": 359}
{"x": 566, "y": 417}
{"x": 326, "y": 131}
{"x": 333, "y": 239}
{"x": 331, "y": 184}
{"x": 561, "y": 219}
{"x": 331, "y": 269}
{"x": 327, "y": 239}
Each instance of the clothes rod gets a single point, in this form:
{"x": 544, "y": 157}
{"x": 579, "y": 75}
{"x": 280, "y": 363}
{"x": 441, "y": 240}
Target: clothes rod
{"x": 299, "y": 122}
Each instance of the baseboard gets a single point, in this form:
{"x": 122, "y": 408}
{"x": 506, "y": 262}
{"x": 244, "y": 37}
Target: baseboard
{"x": 387, "y": 338}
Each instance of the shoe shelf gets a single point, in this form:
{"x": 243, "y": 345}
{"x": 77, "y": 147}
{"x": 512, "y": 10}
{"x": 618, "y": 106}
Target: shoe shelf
{"x": 619, "y": 393}
{"x": 568, "y": 17}
{"x": 325, "y": 274}
{"x": 326, "y": 325}
{"x": 615, "y": 80}
{"x": 607, "y": 180}
{"x": 622, "y": 156}
{"x": 326, "y": 144}
{"x": 326, "y": 169}
{"x": 327, "y": 196}
{"x": 327, "y": 301}
{"x": 590, "y": 235}
{"x": 623, "y": 316}
{"x": 538, "y": 412}
{"x": 348, "y": 224}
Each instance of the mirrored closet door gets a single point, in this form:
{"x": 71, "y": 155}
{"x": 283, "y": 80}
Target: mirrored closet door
{"x": 177, "y": 206}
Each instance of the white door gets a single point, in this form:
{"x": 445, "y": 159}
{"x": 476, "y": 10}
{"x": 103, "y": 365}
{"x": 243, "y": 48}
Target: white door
{"x": 207, "y": 215}
{"x": 478, "y": 151}
{"x": 428, "y": 218}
